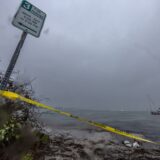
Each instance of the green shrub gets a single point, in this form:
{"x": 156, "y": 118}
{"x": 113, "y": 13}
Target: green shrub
{"x": 28, "y": 156}
{"x": 9, "y": 132}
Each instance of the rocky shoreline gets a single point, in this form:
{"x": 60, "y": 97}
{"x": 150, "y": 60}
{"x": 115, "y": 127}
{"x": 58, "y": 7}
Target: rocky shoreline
{"x": 94, "y": 146}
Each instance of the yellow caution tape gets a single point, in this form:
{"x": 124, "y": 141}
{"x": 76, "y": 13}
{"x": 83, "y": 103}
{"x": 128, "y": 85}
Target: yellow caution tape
{"x": 14, "y": 96}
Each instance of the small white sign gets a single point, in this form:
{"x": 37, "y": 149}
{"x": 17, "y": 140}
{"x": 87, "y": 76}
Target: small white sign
{"x": 29, "y": 19}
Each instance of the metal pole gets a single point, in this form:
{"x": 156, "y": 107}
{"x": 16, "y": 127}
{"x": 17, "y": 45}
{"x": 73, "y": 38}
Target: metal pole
{"x": 13, "y": 62}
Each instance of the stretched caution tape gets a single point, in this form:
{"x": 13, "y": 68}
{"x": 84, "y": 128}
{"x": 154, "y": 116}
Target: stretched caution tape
{"x": 14, "y": 96}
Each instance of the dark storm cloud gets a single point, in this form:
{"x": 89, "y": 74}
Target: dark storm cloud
{"x": 91, "y": 53}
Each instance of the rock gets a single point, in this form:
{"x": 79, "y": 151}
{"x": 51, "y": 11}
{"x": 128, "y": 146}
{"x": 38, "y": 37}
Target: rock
{"x": 83, "y": 154}
{"x": 48, "y": 158}
{"x": 99, "y": 152}
{"x": 69, "y": 142}
{"x": 136, "y": 145}
{"x": 127, "y": 143}
{"x": 67, "y": 154}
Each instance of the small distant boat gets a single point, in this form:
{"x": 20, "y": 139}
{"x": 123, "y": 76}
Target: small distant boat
{"x": 151, "y": 105}
{"x": 156, "y": 112}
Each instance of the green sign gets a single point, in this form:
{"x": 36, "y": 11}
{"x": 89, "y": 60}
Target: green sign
{"x": 26, "y": 5}
{"x": 29, "y": 19}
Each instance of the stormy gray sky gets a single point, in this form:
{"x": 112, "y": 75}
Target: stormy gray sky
{"x": 96, "y": 54}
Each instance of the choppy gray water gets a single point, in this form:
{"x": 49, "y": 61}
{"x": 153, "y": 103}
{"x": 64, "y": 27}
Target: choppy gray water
{"x": 135, "y": 122}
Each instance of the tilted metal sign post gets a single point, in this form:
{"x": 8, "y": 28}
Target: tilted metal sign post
{"x": 30, "y": 19}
